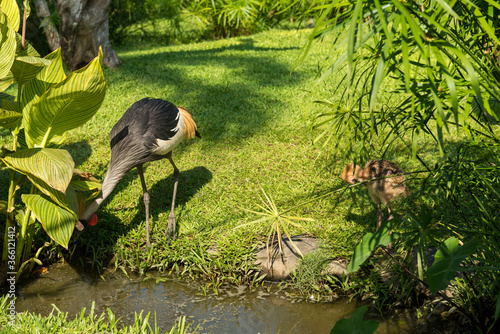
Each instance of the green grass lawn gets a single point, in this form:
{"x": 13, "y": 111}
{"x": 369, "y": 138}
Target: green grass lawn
{"x": 254, "y": 114}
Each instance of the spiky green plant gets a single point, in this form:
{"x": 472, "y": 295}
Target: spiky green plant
{"x": 278, "y": 222}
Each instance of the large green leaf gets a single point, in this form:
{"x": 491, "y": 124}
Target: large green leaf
{"x": 65, "y": 106}
{"x": 10, "y": 8}
{"x": 67, "y": 200}
{"x": 355, "y": 324}
{"x": 58, "y": 222}
{"x": 369, "y": 243}
{"x": 9, "y": 118}
{"x": 28, "y": 49}
{"x": 26, "y": 68}
{"x": 7, "y": 47}
{"x": 447, "y": 262}
{"x": 7, "y": 81}
{"x": 48, "y": 76}
{"x": 52, "y": 166}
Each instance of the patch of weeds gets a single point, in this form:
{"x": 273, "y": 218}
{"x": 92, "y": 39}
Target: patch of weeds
{"x": 310, "y": 275}
{"x": 85, "y": 322}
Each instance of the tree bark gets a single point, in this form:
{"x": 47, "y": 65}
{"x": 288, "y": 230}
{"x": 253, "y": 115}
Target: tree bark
{"x": 49, "y": 29}
{"x": 84, "y": 27}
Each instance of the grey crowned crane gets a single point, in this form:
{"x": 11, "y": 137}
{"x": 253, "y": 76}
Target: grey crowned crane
{"x": 384, "y": 187}
{"x": 149, "y": 130}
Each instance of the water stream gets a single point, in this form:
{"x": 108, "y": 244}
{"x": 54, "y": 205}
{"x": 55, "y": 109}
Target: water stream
{"x": 234, "y": 309}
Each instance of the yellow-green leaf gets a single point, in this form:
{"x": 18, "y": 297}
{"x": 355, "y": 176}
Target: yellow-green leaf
{"x": 27, "y": 68}
{"x": 28, "y": 50}
{"x": 48, "y": 76}
{"x": 9, "y": 118}
{"x": 10, "y": 8}
{"x": 65, "y": 106}
{"x": 53, "y": 166}
{"x": 7, "y": 47}
{"x": 58, "y": 222}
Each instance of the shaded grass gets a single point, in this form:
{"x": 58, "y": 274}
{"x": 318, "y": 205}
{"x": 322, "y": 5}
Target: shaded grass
{"x": 255, "y": 121}
{"x": 255, "y": 116}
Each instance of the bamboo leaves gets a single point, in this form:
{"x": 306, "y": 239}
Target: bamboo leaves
{"x": 434, "y": 51}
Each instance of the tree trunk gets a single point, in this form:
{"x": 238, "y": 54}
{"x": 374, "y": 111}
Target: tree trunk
{"x": 50, "y": 30}
{"x": 83, "y": 25}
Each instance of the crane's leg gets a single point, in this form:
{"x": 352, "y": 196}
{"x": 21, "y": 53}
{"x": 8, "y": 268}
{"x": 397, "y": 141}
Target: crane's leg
{"x": 146, "y": 202}
{"x": 171, "y": 218}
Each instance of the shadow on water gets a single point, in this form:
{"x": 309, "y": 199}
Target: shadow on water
{"x": 235, "y": 309}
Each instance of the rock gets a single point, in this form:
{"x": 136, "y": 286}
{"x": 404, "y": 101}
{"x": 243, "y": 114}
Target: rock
{"x": 280, "y": 266}
{"x": 336, "y": 268}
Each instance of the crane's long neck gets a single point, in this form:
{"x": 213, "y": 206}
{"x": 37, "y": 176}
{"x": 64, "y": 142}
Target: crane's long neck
{"x": 110, "y": 181}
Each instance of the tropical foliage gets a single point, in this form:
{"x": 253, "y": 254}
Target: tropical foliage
{"x": 209, "y": 18}
{"x": 48, "y": 104}
{"x": 127, "y": 16}
{"x": 223, "y": 18}
{"x": 418, "y": 70}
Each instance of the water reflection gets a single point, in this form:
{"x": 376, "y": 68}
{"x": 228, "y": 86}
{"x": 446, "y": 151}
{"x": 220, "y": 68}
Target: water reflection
{"x": 234, "y": 310}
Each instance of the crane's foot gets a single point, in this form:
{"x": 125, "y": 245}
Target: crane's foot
{"x": 170, "y": 228}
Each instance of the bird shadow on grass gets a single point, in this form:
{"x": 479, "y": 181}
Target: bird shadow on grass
{"x": 99, "y": 241}
{"x": 190, "y": 182}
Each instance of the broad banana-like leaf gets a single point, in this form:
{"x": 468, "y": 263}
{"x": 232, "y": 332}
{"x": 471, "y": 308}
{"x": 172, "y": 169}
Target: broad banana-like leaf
{"x": 58, "y": 222}
{"x": 10, "y": 105}
{"x": 28, "y": 50}
{"x": 447, "y": 262}
{"x": 7, "y": 97}
{"x": 7, "y": 81}
{"x": 27, "y": 68}
{"x": 67, "y": 200}
{"x": 9, "y": 118}
{"x": 370, "y": 242}
{"x": 48, "y": 76}
{"x": 11, "y": 9}
{"x": 65, "y": 106}
{"x": 52, "y": 166}
{"x": 7, "y": 45}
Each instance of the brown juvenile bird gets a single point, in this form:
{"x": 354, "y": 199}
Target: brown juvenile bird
{"x": 384, "y": 187}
